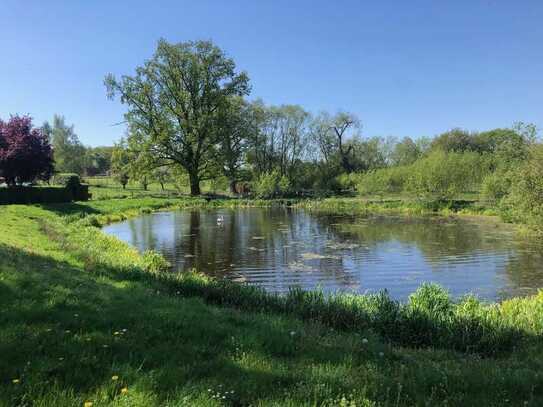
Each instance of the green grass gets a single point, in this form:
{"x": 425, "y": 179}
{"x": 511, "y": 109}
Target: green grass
{"x": 78, "y": 307}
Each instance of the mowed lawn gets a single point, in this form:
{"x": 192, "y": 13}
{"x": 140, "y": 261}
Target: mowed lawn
{"x": 80, "y": 326}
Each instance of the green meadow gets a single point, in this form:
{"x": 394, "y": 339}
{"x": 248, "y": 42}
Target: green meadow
{"x": 87, "y": 320}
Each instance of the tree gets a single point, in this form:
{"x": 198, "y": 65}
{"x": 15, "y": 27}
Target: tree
{"x": 25, "y": 152}
{"x": 162, "y": 175}
{"x": 280, "y": 141}
{"x": 68, "y": 151}
{"x": 120, "y": 160}
{"x": 455, "y": 140}
{"x": 405, "y": 152}
{"x": 236, "y": 124}
{"x": 174, "y": 101}
{"x": 341, "y": 124}
{"x": 97, "y": 160}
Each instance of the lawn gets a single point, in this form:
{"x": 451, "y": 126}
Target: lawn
{"x": 84, "y": 319}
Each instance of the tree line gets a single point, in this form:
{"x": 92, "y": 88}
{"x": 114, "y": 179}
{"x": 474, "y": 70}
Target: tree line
{"x": 189, "y": 119}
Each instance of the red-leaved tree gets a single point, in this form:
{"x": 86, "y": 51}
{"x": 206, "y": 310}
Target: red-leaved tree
{"x": 25, "y": 152}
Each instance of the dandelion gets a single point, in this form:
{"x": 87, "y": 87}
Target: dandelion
{"x": 116, "y": 333}
{"x": 364, "y": 341}
{"x": 124, "y": 330}
{"x": 105, "y": 346}
{"x": 124, "y": 390}
{"x": 16, "y": 381}
{"x": 67, "y": 331}
{"x": 381, "y": 354}
{"x": 87, "y": 404}
{"x": 115, "y": 378}
{"x": 61, "y": 358}
{"x": 76, "y": 315}
{"x": 292, "y": 333}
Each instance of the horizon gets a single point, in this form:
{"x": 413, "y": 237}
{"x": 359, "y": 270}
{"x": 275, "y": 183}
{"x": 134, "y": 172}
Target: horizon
{"x": 406, "y": 70}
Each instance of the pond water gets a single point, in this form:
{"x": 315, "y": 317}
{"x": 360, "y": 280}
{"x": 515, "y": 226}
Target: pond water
{"x": 279, "y": 247}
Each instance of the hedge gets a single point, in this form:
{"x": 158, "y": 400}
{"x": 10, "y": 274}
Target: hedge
{"x": 29, "y": 195}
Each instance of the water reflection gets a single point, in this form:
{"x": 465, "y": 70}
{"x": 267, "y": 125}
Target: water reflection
{"x": 278, "y": 248}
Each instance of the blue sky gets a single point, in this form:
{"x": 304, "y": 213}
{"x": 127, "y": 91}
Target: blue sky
{"x": 407, "y": 68}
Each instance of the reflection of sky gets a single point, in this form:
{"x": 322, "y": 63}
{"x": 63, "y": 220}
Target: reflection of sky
{"x": 280, "y": 248}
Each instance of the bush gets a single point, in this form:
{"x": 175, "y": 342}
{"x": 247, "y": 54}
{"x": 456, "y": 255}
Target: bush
{"x": 525, "y": 201}
{"x": 496, "y": 186}
{"x": 442, "y": 176}
{"x": 385, "y": 180}
{"x": 29, "y": 195}
{"x": 271, "y": 185}
{"x": 66, "y": 178}
{"x": 72, "y": 182}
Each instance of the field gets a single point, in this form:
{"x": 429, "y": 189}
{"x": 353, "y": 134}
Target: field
{"x": 84, "y": 319}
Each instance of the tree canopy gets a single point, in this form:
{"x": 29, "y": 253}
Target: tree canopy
{"x": 174, "y": 101}
{"x": 25, "y": 152}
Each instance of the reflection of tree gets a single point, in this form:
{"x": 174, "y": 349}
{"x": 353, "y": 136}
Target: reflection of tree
{"x": 142, "y": 232}
{"x": 436, "y": 239}
{"x": 525, "y": 269}
{"x": 267, "y": 246}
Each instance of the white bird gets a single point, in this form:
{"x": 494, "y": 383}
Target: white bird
{"x": 220, "y": 220}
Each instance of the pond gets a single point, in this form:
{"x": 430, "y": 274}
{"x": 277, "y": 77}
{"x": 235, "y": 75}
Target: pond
{"x": 280, "y": 247}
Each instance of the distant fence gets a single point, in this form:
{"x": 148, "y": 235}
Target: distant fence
{"x": 31, "y": 195}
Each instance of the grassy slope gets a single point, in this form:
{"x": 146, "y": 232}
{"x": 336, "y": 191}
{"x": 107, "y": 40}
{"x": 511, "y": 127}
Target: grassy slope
{"x": 75, "y": 311}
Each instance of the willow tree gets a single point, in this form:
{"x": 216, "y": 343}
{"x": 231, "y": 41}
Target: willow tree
{"x": 174, "y": 101}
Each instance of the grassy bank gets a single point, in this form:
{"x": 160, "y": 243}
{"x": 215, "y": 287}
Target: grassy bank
{"x": 85, "y": 318}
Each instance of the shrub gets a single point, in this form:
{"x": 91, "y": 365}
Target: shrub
{"x": 271, "y": 185}
{"x": 72, "y": 182}
{"x": 384, "y": 180}
{"x": 496, "y": 186}
{"x": 66, "y": 178}
{"x": 29, "y": 195}
{"x": 525, "y": 201}
{"x": 442, "y": 176}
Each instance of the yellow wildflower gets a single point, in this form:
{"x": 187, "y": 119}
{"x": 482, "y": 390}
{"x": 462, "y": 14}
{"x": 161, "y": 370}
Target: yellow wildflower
{"x": 87, "y": 404}
{"x": 114, "y": 378}
{"x": 124, "y": 390}
{"x": 15, "y": 381}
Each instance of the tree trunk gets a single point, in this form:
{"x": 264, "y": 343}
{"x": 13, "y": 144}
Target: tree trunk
{"x": 162, "y": 185}
{"x": 233, "y": 187}
{"x": 194, "y": 184}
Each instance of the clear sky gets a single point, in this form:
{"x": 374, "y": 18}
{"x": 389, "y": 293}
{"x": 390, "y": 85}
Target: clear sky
{"x": 407, "y": 68}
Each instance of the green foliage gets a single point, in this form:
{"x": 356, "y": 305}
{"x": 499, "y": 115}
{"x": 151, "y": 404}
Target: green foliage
{"x": 168, "y": 113}
{"x": 442, "y": 176}
{"x": 68, "y": 151}
{"x": 67, "y": 179}
{"x": 381, "y": 181}
{"x": 120, "y": 163}
{"x": 496, "y": 186}
{"x": 271, "y": 185}
{"x": 524, "y": 203}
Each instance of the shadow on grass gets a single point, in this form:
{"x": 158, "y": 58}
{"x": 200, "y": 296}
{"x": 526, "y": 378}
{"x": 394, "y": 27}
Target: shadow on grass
{"x": 71, "y": 208}
{"x": 65, "y": 328}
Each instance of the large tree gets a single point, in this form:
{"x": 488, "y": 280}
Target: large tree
{"x": 25, "y": 152}
{"x": 173, "y": 103}
{"x": 69, "y": 152}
